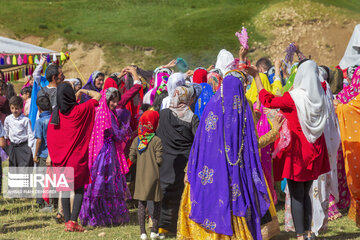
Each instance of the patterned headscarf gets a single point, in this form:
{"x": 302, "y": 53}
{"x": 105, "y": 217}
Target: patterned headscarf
{"x": 147, "y": 126}
{"x": 180, "y": 103}
{"x": 351, "y": 91}
{"x": 214, "y": 79}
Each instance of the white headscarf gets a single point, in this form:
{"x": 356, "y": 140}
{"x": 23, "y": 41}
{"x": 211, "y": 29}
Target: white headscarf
{"x": 175, "y": 80}
{"x": 309, "y": 98}
{"x": 352, "y": 53}
{"x": 224, "y": 60}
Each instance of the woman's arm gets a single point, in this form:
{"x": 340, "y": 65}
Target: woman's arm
{"x": 133, "y": 151}
{"x": 93, "y": 94}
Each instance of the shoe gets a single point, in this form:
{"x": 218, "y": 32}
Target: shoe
{"x": 59, "y": 218}
{"x": 143, "y": 236}
{"x": 71, "y": 226}
{"x": 154, "y": 235}
{"x": 47, "y": 209}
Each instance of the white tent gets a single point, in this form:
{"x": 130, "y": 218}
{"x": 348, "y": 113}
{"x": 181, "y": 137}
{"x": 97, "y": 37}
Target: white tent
{"x": 11, "y": 46}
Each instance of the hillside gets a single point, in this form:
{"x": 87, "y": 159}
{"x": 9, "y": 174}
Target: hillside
{"x": 109, "y": 34}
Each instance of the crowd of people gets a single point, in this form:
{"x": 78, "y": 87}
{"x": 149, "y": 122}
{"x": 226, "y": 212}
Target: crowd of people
{"x": 202, "y": 151}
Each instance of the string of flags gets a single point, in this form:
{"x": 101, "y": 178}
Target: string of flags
{"x": 26, "y": 63}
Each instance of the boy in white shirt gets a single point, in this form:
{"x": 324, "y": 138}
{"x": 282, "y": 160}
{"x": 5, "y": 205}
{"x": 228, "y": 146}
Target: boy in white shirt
{"x": 18, "y": 131}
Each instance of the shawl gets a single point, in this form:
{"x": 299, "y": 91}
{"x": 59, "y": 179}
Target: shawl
{"x": 224, "y": 61}
{"x": 33, "y": 107}
{"x": 110, "y": 83}
{"x": 309, "y": 98}
{"x": 181, "y": 101}
{"x": 147, "y": 126}
{"x": 352, "y": 52}
{"x": 252, "y": 93}
{"x": 351, "y": 91}
{"x": 103, "y": 123}
{"x": 162, "y": 79}
{"x": 289, "y": 83}
{"x": 214, "y": 79}
{"x": 65, "y": 99}
{"x": 175, "y": 80}
{"x": 90, "y": 85}
{"x": 224, "y": 168}
{"x": 203, "y": 99}
{"x": 200, "y": 76}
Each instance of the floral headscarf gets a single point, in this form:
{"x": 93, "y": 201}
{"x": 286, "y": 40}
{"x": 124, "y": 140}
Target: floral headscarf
{"x": 147, "y": 126}
{"x": 180, "y": 103}
{"x": 214, "y": 79}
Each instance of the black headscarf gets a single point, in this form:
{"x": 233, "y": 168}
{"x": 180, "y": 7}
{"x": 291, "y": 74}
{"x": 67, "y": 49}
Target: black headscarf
{"x": 65, "y": 101}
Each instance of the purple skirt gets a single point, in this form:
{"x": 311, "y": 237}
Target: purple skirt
{"x": 104, "y": 199}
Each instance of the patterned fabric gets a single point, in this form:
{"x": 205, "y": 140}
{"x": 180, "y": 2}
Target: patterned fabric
{"x": 349, "y": 115}
{"x": 351, "y": 91}
{"x": 180, "y": 103}
{"x": 223, "y": 141}
{"x": 203, "y": 99}
{"x": 147, "y": 126}
{"x": 214, "y": 79}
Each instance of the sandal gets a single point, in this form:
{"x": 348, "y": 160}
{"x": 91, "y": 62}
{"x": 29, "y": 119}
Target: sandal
{"x": 59, "y": 218}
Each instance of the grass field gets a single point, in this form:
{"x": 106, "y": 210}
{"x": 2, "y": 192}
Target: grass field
{"x": 195, "y": 30}
{"x": 20, "y": 219}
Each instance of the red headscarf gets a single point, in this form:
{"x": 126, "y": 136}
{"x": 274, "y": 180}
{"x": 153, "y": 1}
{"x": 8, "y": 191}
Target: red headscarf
{"x": 110, "y": 83}
{"x": 200, "y": 76}
{"x": 147, "y": 126}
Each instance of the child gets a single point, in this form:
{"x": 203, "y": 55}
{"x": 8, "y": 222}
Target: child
{"x": 18, "y": 131}
{"x": 41, "y": 151}
{"x": 146, "y": 152}
{"x": 26, "y": 96}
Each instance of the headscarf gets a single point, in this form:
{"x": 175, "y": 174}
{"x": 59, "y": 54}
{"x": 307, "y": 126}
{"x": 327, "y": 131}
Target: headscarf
{"x": 252, "y": 94}
{"x": 225, "y": 178}
{"x": 65, "y": 101}
{"x": 352, "y": 53}
{"x": 214, "y": 79}
{"x": 224, "y": 61}
{"x": 147, "y": 126}
{"x": 205, "y": 96}
{"x": 161, "y": 79}
{"x": 110, "y": 83}
{"x": 181, "y": 101}
{"x": 200, "y": 76}
{"x": 289, "y": 83}
{"x": 351, "y": 91}
{"x": 90, "y": 85}
{"x": 309, "y": 98}
{"x": 350, "y": 71}
{"x": 175, "y": 80}
{"x": 102, "y": 123}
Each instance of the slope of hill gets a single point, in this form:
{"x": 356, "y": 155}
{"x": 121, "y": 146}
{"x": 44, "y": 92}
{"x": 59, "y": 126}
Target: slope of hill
{"x": 109, "y": 34}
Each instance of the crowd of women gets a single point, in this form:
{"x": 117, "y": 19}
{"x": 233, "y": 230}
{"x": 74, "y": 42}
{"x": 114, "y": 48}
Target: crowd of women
{"x": 202, "y": 150}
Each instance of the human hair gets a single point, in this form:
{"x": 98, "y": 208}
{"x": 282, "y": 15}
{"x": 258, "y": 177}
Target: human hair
{"x": 144, "y": 107}
{"x": 43, "y": 102}
{"x": 52, "y": 70}
{"x": 113, "y": 95}
{"x": 16, "y": 101}
{"x": 159, "y": 99}
{"x": 26, "y": 90}
{"x": 3, "y": 88}
{"x": 10, "y": 90}
{"x": 264, "y": 62}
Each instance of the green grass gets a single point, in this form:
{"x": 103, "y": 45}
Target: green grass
{"x": 195, "y": 30}
{"x": 20, "y": 219}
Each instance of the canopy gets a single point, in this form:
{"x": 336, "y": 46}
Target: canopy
{"x": 11, "y": 46}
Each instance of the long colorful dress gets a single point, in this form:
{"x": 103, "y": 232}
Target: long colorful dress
{"x": 349, "y": 115}
{"x": 224, "y": 172}
{"x": 104, "y": 200}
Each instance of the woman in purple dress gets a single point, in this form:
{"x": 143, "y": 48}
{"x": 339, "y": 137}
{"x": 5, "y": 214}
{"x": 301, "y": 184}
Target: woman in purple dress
{"x": 104, "y": 200}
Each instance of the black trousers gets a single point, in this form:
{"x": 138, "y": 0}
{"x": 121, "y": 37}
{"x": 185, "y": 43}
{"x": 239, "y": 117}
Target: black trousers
{"x": 73, "y": 215}
{"x": 301, "y": 208}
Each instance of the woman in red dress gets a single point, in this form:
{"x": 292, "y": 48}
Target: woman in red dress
{"x": 305, "y": 157}
{"x": 68, "y": 137}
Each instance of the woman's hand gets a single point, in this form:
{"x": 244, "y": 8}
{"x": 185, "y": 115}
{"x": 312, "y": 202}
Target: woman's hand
{"x": 242, "y": 54}
{"x": 171, "y": 64}
{"x": 79, "y": 93}
{"x": 278, "y": 122}
{"x": 211, "y": 67}
{"x": 252, "y": 71}
{"x": 132, "y": 71}
{"x": 189, "y": 73}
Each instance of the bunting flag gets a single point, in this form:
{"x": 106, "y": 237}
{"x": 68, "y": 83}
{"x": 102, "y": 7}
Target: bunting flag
{"x": 25, "y": 60}
{"x": 14, "y": 60}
